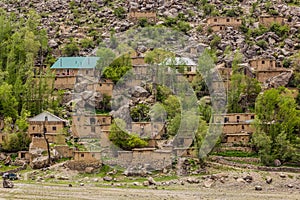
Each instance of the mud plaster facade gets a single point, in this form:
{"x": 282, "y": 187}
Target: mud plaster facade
{"x": 52, "y": 125}
{"x": 86, "y": 125}
{"x": 237, "y": 127}
{"x": 221, "y": 23}
{"x": 269, "y": 20}
{"x": 87, "y": 156}
{"x": 265, "y": 69}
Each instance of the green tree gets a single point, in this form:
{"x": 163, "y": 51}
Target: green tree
{"x": 123, "y": 139}
{"x": 277, "y": 126}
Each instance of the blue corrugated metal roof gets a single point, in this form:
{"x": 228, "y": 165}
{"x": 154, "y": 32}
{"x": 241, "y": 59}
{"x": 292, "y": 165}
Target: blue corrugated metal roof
{"x": 75, "y": 63}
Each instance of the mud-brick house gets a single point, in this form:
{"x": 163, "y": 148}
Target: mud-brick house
{"x": 135, "y": 16}
{"x": 268, "y": 20}
{"x": 183, "y": 65}
{"x": 237, "y": 127}
{"x": 150, "y": 130}
{"x": 87, "y": 156}
{"x": 265, "y": 68}
{"x": 67, "y": 69}
{"x": 49, "y": 124}
{"x": 221, "y": 23}
{"x": 90, "y": 124}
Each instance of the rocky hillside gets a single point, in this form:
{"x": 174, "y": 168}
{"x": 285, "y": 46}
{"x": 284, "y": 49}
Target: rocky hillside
{"x": 88, "y": 22}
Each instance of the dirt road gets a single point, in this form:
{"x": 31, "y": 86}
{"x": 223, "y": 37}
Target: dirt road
{"x": 41, "y": 191}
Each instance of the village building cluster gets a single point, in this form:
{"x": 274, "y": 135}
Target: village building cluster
{"x": 237, "y": 127}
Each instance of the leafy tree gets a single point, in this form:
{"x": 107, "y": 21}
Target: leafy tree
{"x": 157, "y": 56}
{"x": 277, "y": 126}
{"x": 8, "y": 103}
{"x": 118, "y": 68}
{"x": 140, "y": 112}
{"x": 71, "y": 49}
{"x": 123, "y": 139}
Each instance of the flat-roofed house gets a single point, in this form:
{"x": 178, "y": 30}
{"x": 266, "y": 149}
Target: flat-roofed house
{"x": 268, "y": 20}
{"x": 221, "y": 23}
{"x": 237, "y": 127}
{"x": 265, "y": 68}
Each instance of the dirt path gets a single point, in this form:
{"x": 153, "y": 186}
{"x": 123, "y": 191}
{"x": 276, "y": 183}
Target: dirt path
{"x": 40, "y": 191}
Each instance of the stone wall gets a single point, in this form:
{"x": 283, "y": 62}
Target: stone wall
{"x": 154, "y": 159}
{"x": 38, "y": 143}
{"x": 82, "y": 165}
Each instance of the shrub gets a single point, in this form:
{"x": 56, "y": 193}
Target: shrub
{"x": 119, "y": 12}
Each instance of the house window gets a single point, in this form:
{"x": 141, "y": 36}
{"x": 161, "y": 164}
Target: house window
{"x": 215, "y": 20}
{"x": 227, "y": 20}
{"x": 221, "y": 27}
{"x": 93, "y": 155}
{"x": 103, "y": 120}
{"x": 86, "y": 72}
{"x": 100, "y": 84}
{"x": 78, "y": 118}
{"x": 93, "y": 129}
{"x": 92, "y": 120}
{"x": 53, "y": 128}
{"x": 237, "y": 118}
{"x": 263, "y": 62}
{"x": 226, "y": 119}
{"x": 243, "y": 127}
{"x": 252, "y": 116}
{"x": 82, "y": 155}
{"x": 33, "y": 128}
{"x": 189, "y": 69}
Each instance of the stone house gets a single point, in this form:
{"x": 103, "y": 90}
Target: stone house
{"x": 87, "y": 156}
{"x": 135, "y": 16}
{"x": 90, "y": 124}
{"x": 66, "y": 70}
{"x": 221, "y": 23}
{"x": 50, "y": 124}
{"x": 265, "y": 68}
{"x": 268, "y": 20}
{"x": 237, "y": 127}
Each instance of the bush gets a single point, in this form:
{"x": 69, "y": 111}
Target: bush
{"x": 120, "y": 12}
{"x": 215, "y": 41}
{"x": 262, "y": 43}
{"x": 71, "y": 49}
{"x": 280, "y": 30}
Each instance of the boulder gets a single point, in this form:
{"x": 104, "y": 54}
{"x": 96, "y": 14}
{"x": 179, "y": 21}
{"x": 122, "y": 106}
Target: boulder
{"x": 277, "y": 163}
{"x": 39, "y": 162}
{"x": 269, "y": 180}
{"x": 139, "y": 92}
{"x": 258, "y": 188}
{"x": 208, "y": 183}
{"x": 280, "y": 80}
{"x": 89, "y": 170}
{"x": 151, "y": 181}
{"x": 107, "y": 178}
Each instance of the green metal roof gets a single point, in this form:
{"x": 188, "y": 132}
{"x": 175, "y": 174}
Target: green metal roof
{"x": 75, "y": 63}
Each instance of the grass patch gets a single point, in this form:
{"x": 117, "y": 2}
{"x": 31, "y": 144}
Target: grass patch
{"x": 236, "y": 154}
